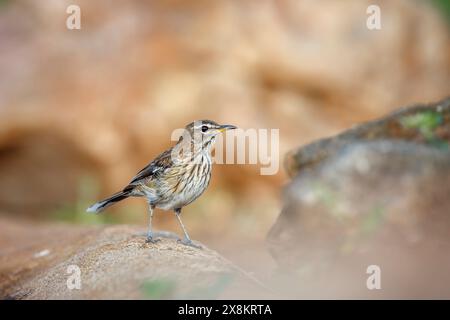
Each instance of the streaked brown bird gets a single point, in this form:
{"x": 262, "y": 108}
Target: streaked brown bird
{"x": 176, "y": 177}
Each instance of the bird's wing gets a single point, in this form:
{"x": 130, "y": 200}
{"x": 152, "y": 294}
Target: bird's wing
{"x": 163, "y": 161}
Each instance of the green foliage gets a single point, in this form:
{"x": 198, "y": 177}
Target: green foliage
{"x": 426, "y": 123}
{"x": 165, "y": 288}
{"x": 159, "y": 289}
{"x": 367, "y": 227}
{"x": 3, "y": 3}
{"x": 325, "y": 195}
{"x": 444, "y": 7}
{"x": 372, "y": 221}
{"x": 76, "y": 212}
{"x": 210, "y": 292}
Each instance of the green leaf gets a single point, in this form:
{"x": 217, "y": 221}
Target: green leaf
{"x": 158, "y": 289}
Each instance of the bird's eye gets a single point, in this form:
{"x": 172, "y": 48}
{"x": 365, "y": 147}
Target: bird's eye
{"x": 204, "y": 128}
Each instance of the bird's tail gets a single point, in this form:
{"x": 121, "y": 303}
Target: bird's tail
{"x": 102, "y": 205}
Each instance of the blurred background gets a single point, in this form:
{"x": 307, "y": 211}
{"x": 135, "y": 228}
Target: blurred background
{"x": 81, "y": 111}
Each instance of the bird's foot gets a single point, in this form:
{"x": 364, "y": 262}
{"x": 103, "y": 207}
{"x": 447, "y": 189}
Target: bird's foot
{"x": 151, "y": 239}
{"x": 189, "y": 242}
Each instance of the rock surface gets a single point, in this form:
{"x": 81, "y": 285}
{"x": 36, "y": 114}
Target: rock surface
{"x": 114, "y": 262}
{"x": 429, "y": 125}
{"x": 374, "y": 195}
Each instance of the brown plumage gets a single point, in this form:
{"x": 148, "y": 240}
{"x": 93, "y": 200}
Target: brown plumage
{"x": 176, "y": 177}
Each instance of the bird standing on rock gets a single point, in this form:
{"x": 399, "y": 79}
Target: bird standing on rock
{"x": 176, "y": 177}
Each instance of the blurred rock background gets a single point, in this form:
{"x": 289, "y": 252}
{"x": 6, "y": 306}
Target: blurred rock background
{"x": 81, "y": 111}
{"x": 376, "y": 194}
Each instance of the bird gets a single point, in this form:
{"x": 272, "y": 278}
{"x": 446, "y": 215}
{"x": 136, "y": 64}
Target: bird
{"x": 175, "y": 178}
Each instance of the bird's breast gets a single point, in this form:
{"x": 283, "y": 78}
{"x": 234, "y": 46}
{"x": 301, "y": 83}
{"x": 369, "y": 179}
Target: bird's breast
{"x": 185, "y": 183}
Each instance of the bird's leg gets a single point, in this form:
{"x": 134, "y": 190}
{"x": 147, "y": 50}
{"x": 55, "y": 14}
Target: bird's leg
{"x": 150, "y": 238}
{"x": 187, "y": 240}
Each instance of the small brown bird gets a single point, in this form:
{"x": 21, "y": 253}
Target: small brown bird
{"x": 176, "y": 177}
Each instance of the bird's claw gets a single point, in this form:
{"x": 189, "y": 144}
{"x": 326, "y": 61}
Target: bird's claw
{"x": 152, "y": 240}
{"x": 189, "y": 242}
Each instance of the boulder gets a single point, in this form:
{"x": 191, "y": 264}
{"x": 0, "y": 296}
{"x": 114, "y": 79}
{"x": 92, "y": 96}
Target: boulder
{"x": 422, "y": 124}
{"x": 375, "y": 195}
{"x": 59, "y": 261}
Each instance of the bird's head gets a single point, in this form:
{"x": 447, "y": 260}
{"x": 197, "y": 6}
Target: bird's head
{"x": 204, "y": 132}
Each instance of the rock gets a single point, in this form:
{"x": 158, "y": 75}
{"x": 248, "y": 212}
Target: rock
{"x": 422, "y": 124}
{"x": 38, "y": 261}
{"x": 374, "y": 195}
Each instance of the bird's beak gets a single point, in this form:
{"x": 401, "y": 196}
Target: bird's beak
{"x": 226, "y": 127}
